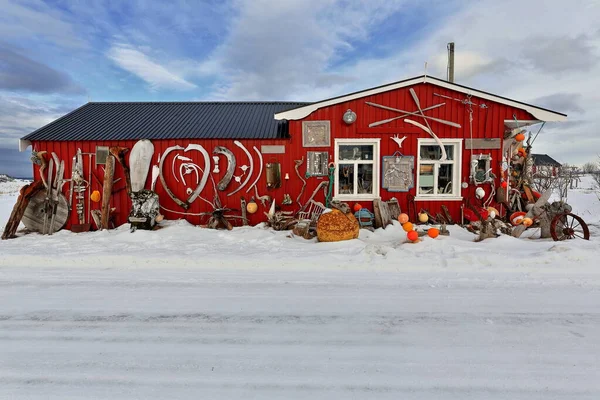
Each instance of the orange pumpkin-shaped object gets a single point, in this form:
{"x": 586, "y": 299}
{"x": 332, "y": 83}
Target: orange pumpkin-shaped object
{"x": 407, "y": 226}
{"x": 527, "y": 222}
{"x": 412, "y": 236}
{"x": 403, "y": 218}
{"x": 520, "y": 137}
{"x": 357, "y": 207}
{"x": 95, "y": 196}
{"x": 433, "y": 232}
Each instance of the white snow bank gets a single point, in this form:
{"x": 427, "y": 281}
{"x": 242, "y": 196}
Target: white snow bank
{"x": 179, "y": 244}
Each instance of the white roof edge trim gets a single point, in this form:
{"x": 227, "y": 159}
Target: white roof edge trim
{"x": 301, "y": 112}
{"x": 23, "y": 145}
{"x": 538, "y": 113}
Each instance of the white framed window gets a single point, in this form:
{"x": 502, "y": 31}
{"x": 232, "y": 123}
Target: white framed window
{"x": 357, "y": 169}
{"x": 439, "y": 180}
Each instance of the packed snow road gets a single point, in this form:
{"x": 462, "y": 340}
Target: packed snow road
{"x": 69, "y": 333}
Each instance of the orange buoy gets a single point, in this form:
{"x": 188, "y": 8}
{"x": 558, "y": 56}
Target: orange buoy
{"x": 403, "y": 218}
{"x": 527, "y": 221}
{"x": 433, "y": 232}
{"x": 520, "y": 137}
{"x": 423, "y": 217}
{"x": 252, "y": 207}
{"x": 357, "y": 207}
{"x": 95, "y": 197}
{"x": 407, "y": 226}
{"x": 412, "y": 236}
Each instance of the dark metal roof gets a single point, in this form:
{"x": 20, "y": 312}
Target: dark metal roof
{"x": 545, "y": 160}
{"x": 168, "y": 120}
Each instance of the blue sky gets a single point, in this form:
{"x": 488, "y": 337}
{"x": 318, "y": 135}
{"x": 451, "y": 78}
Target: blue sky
{"x": 57, "y": 55}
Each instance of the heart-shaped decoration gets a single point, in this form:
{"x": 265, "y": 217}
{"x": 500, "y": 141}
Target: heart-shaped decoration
{"x": 194, "y": 195}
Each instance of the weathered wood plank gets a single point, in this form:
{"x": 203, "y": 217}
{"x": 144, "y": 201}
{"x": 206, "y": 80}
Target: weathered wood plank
{"x": 107, "y": 190}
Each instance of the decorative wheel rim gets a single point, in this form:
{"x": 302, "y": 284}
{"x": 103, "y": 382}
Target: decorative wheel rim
{"x": 568, "y": 226}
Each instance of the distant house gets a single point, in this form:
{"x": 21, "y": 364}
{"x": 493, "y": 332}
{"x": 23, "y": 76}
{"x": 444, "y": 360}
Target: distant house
{"x": 543, "y": 163}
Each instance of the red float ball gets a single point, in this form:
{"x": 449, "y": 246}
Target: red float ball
{"x": 357, "y": 207}
{"x": 433, "y": 232}
{"x": 412, "y": 236}
{"x": 504, "y": 184}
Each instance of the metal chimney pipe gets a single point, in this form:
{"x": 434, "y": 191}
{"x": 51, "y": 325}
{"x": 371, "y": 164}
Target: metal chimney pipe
{"x": 451, "y": 62}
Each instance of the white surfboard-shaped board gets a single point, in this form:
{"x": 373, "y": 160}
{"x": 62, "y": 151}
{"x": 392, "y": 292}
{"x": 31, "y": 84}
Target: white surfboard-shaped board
{"x": 139, "y": 163}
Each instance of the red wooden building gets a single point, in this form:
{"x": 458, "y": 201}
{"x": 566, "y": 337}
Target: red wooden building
{"x": 377, "y": 139}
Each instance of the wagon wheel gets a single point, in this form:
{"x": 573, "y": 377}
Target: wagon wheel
{"x": 568, "y": 226}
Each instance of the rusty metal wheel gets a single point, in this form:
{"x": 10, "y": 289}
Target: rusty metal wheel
{"x": 569, "y": 226}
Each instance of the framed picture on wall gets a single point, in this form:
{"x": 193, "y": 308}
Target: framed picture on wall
{"x": 316, "y": 133}
{"x": 397, "y": 174}
{"x": 317, "y": 162}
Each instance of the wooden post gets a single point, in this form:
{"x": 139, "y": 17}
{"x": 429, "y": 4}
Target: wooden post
{"x": 26, "y": 193}
{"x": 107, "y": 190}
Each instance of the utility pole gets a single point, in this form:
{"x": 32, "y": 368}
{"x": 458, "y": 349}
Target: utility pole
{"x": 451, "y": 62}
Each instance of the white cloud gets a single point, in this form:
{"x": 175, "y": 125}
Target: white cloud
{"x": 37, "y": 19}
{"x": 276, "y": 50}
{"x": 138, "y": 63}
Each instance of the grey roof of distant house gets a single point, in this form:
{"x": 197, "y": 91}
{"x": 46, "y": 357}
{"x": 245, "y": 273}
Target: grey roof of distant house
{"x": 546, "y": 160}
{"x": 168, "y": 120}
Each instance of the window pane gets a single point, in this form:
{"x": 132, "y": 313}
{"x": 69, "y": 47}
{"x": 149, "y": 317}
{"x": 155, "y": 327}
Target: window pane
{"x": 356, "y": 152}
{"x": 365, "y": 178}
{"x": 346, "y": 178}
{"x": 426, "y": 179}
{"x": 433, "y": 152}
{"x": 445, "y": 179}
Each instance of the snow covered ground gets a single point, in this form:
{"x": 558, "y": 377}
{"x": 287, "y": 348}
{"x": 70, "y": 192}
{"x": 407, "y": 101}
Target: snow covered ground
{"x": 185, "y": 312}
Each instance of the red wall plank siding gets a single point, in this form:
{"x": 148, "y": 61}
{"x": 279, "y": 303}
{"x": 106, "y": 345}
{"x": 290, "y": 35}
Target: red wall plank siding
{"x": 487, "y": 123}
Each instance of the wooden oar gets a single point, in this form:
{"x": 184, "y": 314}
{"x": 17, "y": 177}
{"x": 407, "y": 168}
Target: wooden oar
{"x": 385, "y": 121}
{"x": 441, "y": 121}
{"x": 443, "y": 157}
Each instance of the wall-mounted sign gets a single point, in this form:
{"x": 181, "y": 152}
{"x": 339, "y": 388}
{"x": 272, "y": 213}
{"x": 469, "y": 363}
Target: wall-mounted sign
{"x": 272, "y": 149}
{"x": 316, "y": 133}
{"x": 482, "y": 143}
{"x": 397, "y": 175}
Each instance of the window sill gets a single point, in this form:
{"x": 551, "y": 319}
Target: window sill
{"x": 438, "y": 198}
